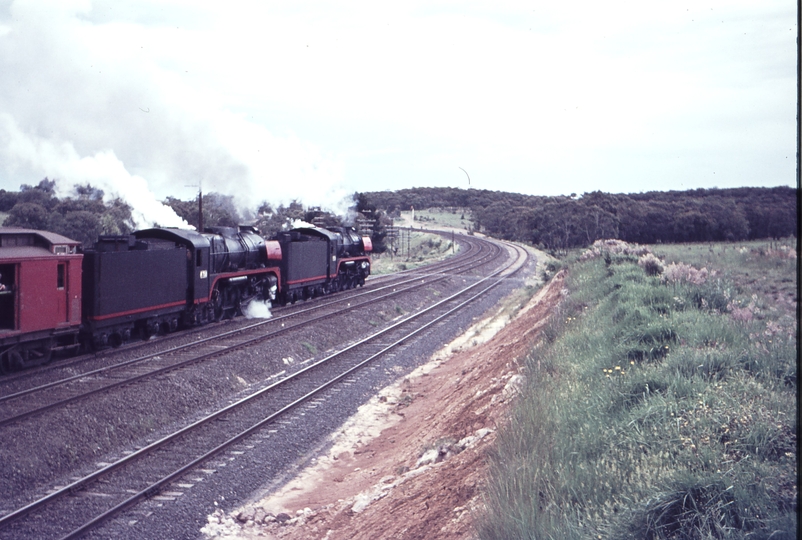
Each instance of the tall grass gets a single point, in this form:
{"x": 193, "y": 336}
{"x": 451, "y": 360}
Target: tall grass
{"x": 650, "y": 411}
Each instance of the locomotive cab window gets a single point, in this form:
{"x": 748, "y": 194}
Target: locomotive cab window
{"x": 60, "y": 276}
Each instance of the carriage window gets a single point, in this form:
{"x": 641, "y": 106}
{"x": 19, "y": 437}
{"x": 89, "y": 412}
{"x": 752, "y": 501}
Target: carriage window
{"x": 60, "y": 278}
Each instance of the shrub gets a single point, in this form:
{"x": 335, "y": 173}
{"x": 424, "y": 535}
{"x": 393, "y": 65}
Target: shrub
{"x": 651, "y": 264}
{"x": 684, "y": 273}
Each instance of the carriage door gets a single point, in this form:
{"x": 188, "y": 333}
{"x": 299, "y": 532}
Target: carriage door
{"x": 8, "y": 278}
{"x": 62, "y": 293}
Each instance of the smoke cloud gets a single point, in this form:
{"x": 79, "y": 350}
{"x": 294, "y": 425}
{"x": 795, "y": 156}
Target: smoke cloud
{"x": 89, "y": 96}
{"x": 103, "y": 170}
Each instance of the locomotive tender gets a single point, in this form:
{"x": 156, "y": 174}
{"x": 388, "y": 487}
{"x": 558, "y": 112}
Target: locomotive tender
{"x": 157, "y": 281}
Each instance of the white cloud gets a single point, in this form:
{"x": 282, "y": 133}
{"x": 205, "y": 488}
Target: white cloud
{"x": 313, "y": 100}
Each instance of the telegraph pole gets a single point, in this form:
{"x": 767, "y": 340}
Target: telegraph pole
{"x": 200, "y": 207}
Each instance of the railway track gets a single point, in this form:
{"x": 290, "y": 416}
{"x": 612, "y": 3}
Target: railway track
{"x": 142, "y": 473}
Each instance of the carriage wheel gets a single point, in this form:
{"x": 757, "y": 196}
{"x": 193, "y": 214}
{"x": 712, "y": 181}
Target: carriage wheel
{"x": 5, "y": 364}
{"x": 45, "y": 353}
{"x": 11, "y": 361}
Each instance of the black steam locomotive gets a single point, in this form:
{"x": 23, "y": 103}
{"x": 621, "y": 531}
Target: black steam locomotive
{"x": 159, "y": 280}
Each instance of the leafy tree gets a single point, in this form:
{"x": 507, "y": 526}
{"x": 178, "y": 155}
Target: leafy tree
{"x": 322, "y": 218}
{"x": 87, "y": 191}
{"x": 378, "y": 219}
{"x": 279, "y": 219}
{"x": 28, "y": 215}
{"x": 218, "y": 210}
{"x": 83, "y": 226}
{"x": 7, "y": 200}
{"x": 117, "y": 219}
{"x": 43, "y": 194}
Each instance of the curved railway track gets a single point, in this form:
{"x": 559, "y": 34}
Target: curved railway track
{"x": 142, "y": 473}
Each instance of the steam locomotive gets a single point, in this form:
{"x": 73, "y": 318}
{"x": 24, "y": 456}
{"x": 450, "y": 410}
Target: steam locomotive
{"x": 56, "y": 297}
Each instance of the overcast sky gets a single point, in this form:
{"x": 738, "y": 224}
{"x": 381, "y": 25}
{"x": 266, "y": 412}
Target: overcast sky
{"x": 315, "y": 100}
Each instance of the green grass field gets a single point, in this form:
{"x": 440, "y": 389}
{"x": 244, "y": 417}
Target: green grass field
{"x": 459, "y": 218}
{"x": 422, "y": 248}
{"x": 661, "y": 403}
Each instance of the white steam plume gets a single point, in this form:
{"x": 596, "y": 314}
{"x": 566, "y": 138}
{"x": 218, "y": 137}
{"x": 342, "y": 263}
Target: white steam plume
{"x": 135, "y": 109}
{"x": 62, "y": 163}
{"x": 257, "y": 310}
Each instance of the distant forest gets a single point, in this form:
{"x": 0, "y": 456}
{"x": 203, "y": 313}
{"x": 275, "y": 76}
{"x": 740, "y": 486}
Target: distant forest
{"x": 700, "y": 215}
{"x": 85, "y": 215}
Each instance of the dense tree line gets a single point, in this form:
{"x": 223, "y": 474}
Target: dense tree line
{"x": 658, "y": 216}
{"x": 551, "y": 222}
{"x": 82, "y": 217}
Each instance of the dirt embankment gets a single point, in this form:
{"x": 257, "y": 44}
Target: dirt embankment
{"x": 411, "y": 464}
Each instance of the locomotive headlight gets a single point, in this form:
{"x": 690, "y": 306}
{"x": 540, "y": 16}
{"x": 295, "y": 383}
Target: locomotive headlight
{"x": 365, "y": 265}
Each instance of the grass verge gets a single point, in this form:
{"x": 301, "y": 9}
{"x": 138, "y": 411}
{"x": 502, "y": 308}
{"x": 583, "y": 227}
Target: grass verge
{"x": 655, "y": 408}
{"x": 421, "y": 248}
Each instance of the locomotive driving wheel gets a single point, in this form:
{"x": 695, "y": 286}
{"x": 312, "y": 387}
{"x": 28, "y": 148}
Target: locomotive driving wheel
{"x": 217, "y": 304}
{"x": 225, "y": 301}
